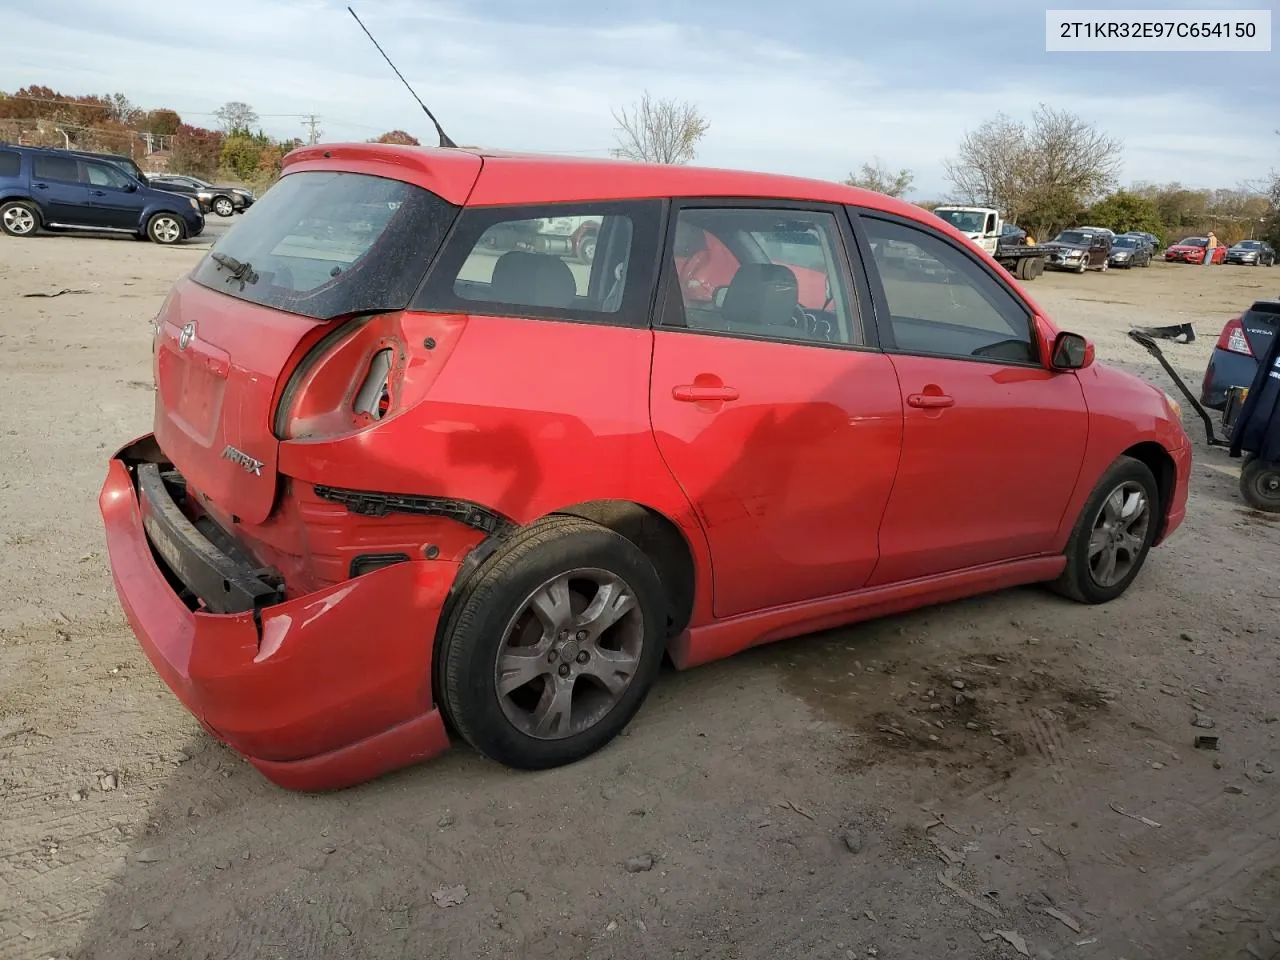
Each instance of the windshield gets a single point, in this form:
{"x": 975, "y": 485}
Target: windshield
{"x": 1194, "y": 242}
{"x": 1249, "y": 244}
{"x": 966, "y": 221}
{"x": 1126, "y": 242}
{"x": 794, "y": 247}
{"x": 1074, "y": 236}
{"x": 324, "y": 244}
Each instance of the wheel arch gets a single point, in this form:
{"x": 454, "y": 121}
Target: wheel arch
{"x": 660, "y": 539}
{"x": 1160, "y": 462}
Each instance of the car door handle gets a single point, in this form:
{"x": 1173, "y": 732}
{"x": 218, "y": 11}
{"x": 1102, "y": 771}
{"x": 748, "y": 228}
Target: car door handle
{"x": 693, "y": 393}
{"x": 97, "y": 193}
{"x": 930, "y": 401}
{"x": 41, "y": 186}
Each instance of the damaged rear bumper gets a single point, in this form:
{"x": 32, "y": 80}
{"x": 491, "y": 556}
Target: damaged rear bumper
{"x": 319, "y": 691}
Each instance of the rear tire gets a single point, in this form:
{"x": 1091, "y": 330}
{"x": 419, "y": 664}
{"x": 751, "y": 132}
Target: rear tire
{"x": 530, "y": 607}
{"x": 1260, "y": 485}
{"x": 223, "y": 206}
{"x": 19, "y": 218}
{"x": 1113, "y": 534}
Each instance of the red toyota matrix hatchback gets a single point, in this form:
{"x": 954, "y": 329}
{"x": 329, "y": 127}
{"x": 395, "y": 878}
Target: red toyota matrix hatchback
{"x": 425, "y": 466}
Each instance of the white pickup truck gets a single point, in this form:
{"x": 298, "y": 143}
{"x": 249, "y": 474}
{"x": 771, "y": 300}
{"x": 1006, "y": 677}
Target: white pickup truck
{"x": 985, "y": 227}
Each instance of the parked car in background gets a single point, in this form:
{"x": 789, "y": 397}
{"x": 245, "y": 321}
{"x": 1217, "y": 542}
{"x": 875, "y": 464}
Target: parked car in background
{"x": 1152, "y": 240}
{"x": 58, "y": 190}
{"x": 1191, "y": 250}
{"x": 1234, "y": 361}
{"x": 368, "y": 519}
{"x": 1012, "y": 233}
{"x": 222, "y": 200}
{"x": 1254, "y": 253}
{"x": 1127, "y": 252}
{"x": 1078, "y": 250}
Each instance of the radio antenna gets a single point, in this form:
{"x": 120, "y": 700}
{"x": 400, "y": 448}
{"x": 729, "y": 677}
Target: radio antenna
{"x": 444, "y": 137}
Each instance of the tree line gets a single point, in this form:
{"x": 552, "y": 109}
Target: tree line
{"x": 1053, "y": 171}
{"x": 235, "y": 147}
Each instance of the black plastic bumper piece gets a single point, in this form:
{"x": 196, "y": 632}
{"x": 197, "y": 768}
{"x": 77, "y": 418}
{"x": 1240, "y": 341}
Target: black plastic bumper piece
{"x": 224, "y": 584}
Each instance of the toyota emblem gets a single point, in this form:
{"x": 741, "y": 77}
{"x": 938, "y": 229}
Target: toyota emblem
{"x": 185, "y": 336}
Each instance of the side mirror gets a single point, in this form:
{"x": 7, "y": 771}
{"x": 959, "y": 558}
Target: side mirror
{"x": 131, "y": 187}
{"x": 1071, "y": 352}
{"x": 717, "y": 297}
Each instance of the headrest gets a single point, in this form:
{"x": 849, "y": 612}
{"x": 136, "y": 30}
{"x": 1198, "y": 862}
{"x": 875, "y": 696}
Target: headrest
{"x": 536, "y": 279}
{"x": 761, "y": 294}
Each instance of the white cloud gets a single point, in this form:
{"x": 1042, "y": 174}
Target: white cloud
{"x": 772, "y": 106}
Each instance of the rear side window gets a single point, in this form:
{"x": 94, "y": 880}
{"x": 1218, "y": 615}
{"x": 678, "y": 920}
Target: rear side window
{"x": 45, "y": 167}
{"x": 586, "y": 262}
{"x": 325, "y": 244}
{"x": 10, "y": 163}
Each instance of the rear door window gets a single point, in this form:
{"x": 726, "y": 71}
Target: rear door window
{"x": 10, "y": 163}
{"x": 590, "y": 262}
{"x": 325, "y": 244}
{"x": 46, "y": 167}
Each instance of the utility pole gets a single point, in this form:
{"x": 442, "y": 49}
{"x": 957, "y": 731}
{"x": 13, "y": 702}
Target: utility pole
{"x": 310, "y": 121}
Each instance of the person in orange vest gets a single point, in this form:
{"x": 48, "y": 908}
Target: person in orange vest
{"x": 1208, "y": 250}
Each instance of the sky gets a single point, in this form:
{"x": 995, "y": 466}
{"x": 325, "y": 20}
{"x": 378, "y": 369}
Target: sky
{"x": 806, "y": 87}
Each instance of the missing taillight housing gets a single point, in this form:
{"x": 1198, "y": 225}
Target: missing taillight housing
{"x": 1233, "y": 339}
{"x": 373, "y": 399}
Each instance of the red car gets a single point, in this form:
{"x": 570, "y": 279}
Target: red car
{"x": 403, "y": 486}
{"x": 1191, "y": 250}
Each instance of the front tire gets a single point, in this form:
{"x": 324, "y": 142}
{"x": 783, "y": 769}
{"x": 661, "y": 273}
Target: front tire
{"x": 223, "y": 206}
{"x": 1260, "y": 485}
{"x": 1113, "y": 535}
{"x": 19, "y": 218}
{"x": 165, "y": 229}
{"x": 554, "y": 645}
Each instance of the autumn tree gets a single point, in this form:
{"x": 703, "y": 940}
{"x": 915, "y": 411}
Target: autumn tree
{"x": 235, "y": 116}
{"x": 397, "y": 136}
{"x": 1123, "y": 211}
{"x": 876, "y": 177}
{"x": 161, "y": 122}
{"x": 1041, "y": 174}
{"x": 196, "y": 151}
{"x": 659, "y": 130}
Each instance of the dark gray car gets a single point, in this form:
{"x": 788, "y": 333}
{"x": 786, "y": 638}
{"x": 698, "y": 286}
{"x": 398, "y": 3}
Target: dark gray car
{"x": 1128, "y": 252}
{"x": 1253, "y": 253}
{"x": 222, "y": 200}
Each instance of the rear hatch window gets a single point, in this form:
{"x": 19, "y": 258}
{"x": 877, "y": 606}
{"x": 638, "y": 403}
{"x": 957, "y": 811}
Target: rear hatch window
{"x": 325, "y": 244}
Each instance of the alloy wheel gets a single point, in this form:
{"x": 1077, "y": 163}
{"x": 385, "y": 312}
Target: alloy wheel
{"x": 569, "y": 654}
{"x": 19, "y": 220}
{"x": 1119, "y": 534}
{"x": 166, "y": 230}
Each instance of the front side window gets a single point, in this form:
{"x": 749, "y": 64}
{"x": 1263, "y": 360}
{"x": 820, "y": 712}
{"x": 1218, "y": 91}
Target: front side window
{"x": 105, "y": 175}
{"x": 324, "y": 244}
{"x": 590, "y": 262}
{"x": 943, "y": 303}
{"x": 774, "y": 273}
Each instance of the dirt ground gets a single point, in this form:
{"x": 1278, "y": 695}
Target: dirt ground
{"x": 902, "y": 789}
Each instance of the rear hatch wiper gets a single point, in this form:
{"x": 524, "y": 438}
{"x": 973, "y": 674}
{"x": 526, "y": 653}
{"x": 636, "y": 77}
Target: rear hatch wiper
{"x": 239, "y": 271}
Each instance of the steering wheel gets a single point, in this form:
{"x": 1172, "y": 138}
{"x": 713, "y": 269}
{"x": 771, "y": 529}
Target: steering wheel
{"x": 810, "y": 325}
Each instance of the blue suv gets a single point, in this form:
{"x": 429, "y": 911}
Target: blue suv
{"x": 58, "y": 190}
